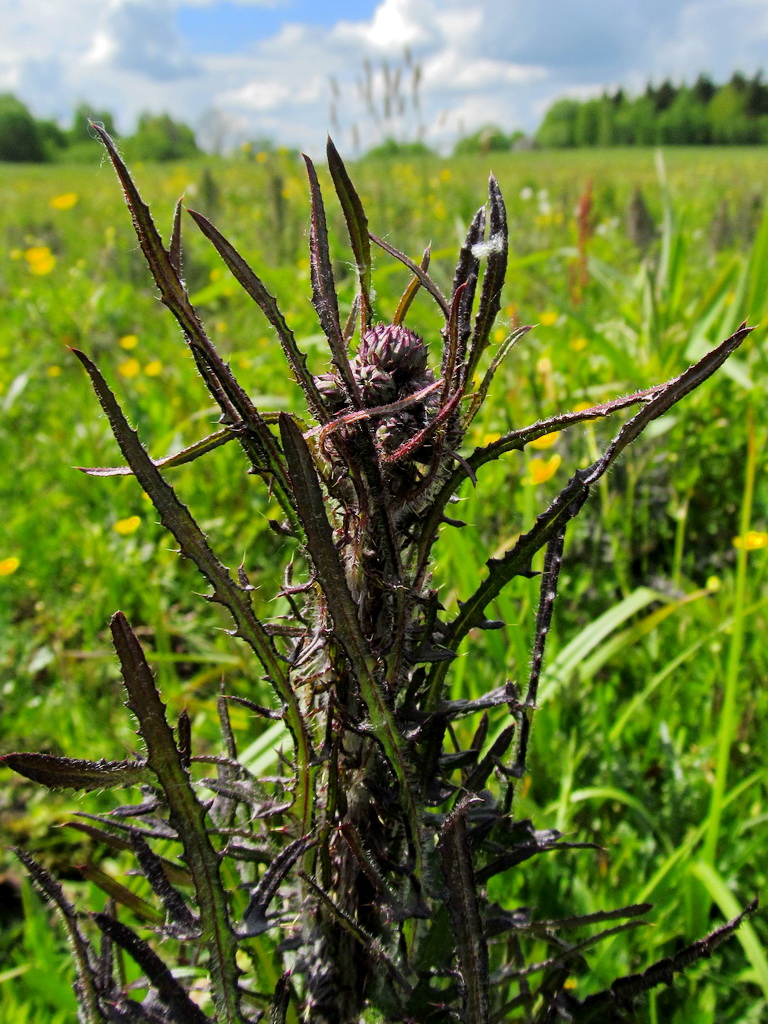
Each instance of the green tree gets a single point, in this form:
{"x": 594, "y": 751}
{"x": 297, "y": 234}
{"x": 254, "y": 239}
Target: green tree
{"x": 685, "y": 122}
{"x": 558, "y": 129}
{"x": 588, "y": 120}
{"x": 159, "y": 137}
{"x": 729, "y": 120}
{"x": 703, "y": 89}
{"x": 20, "y": 137}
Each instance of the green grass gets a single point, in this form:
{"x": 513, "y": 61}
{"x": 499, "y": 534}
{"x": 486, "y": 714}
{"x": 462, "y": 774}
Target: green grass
{"x": 650, "y": 738}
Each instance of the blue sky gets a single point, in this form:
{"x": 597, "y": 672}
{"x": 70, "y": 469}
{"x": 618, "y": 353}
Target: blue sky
{"x": 228, "y": 27}
{"x": 244, "y": 69}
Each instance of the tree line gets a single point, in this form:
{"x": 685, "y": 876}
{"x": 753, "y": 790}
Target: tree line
{"x": 701, "y": 114}
{"x": 27, "y": 139}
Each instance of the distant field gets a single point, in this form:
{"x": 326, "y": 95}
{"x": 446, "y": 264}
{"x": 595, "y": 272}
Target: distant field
{"x": 664, "y": 607}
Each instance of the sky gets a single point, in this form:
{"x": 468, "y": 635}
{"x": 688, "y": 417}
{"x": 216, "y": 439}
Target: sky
{"x": 249, "y": 69}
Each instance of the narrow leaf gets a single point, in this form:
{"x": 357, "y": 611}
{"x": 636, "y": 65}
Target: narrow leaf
{"x": 174, "y": 252}
{"x": 186, "y": 816}
{"x": 410, "y": 292}
{"x": 120, "y": 894}
{"x": 624, "y": 990}
{"x": 193, "y": 544}
{"x": 517, "y": 560}
{"x": 496, "y": 248}
{"x": 73, "y": 773}
{"x": 189, "y": 454}
{"x": 255, "y": 918}
{"x": 357, "y": 227}
{"x": 256, "y": 439}
{"x": 177, "y": 911}
{"x": 426, "y": 281}
{"x": 181, "y": 1009}
{"x": 253, "y": 285}
{"x": 82, "y": 953}
{"x": 278, "y": 1011}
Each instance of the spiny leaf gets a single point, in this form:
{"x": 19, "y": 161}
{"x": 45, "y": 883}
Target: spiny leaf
{"x": 624, "y": 990}
{"x": 482, "y": 392}
{"x": 186, "y": 815}
{"x": 568, "y": 503}
{"x": 174, "y": 251}
{"x": 279, "y": 1009}
{"x": 176, "y": 517}
{"x": 553, "y": 561}
{"x": 236, "y": 406}
{"x": 175, "y": 873}
{"x": 253, "y": 285}
{"x": 357, "y": 226}
{"x": 493, "y": 279}
{"x": 82, "y": 953}
{"x": 370, "y": 944}
{"x": 177, "y": 911}
{"x": 324, "y": 288}
{"x": 477, "y": 779}
{"x": 180, "y": 1008}
{"x": 255, "y": 918}
{"x": 73, "y": 773}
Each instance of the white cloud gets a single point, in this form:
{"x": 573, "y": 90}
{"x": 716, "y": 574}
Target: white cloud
{"x": 496, "y": 60}
{"x": 139, "y": 37}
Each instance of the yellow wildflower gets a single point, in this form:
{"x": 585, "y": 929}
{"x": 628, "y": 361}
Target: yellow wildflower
{"x": 548, "y": 318}
{"x": 154, "y": 368}
{"x": 499, "y": 334}
{"x": 546, "y": 440}
{"x": 752, "y": 541}
{"x": 40, "y": 259}
{"x": 54, "y": 371}
{"x": 714, "y": 584}
{"x": 129, "y": 368}
{"x": 64, "y": 202}
{"x": 577, "y": 344}
{"x": 126, "y": 526}
{"x": 541, "y": 470}
{"x": 261, "y": 158}
{"x": 128, "y": 341}
{"x": 445, "y": 174}
{"x": 9, "y": 565}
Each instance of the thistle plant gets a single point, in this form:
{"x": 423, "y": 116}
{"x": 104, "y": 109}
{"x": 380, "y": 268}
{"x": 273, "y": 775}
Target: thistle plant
{"x": 351, "y": 885}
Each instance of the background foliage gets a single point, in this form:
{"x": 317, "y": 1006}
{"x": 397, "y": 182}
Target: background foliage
{"x": 649, "y": 737}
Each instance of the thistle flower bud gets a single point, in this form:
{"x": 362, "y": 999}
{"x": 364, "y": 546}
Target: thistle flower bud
{"x": 377, "y": 387}
{"x": 395, "y": 349}
{"x": 329, "y": 386}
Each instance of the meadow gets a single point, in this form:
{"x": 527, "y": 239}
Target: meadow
{"x": 650, "y": 739}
